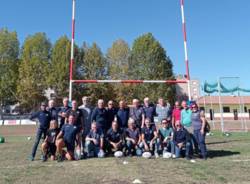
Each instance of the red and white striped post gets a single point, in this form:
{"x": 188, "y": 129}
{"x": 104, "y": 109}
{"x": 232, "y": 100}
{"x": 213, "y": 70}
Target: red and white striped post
{"x": 131, "y": 81}
{"x": 72, "y": 50}
{"x": 185, "y": 47}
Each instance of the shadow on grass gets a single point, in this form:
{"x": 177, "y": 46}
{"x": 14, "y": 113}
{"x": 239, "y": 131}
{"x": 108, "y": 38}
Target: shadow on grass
{"x": 223, "y": 142}
{"x": 221, "y": 153}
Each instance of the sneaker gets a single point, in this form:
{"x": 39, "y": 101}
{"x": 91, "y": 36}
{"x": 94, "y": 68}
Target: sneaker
{"x": 173, "y": 156}
{"x": 156, "y": 155}
{"x": 59, "y": 158}
{"x": 31, "y": 158}
{"x": 44, "y": 158}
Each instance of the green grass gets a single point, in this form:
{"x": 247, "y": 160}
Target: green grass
{"x": 229, "y": 163}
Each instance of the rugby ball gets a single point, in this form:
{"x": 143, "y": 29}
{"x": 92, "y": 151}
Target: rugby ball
{"x": 146, "y": 155}
{"x": 118, "y": 154}
{"x": 166, "y": 155}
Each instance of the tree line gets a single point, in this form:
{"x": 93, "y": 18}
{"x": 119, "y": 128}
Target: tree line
{"x": 29, "y": 69}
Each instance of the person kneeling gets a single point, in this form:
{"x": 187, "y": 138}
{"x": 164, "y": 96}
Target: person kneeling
{"x": 114, "y": 138}
{"x": 166, "y": 137}
{"x": 67, "y": 137}
{"x": 49, "y": 144}
{"x": 181, "y": 141}
{"x": 133, "y": 139}
{"x": 94, "y": 142}
{"x": 149, "y": 137}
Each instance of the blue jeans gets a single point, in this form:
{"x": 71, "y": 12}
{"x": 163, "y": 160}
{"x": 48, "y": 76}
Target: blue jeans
{"x": 155, "y": 147}
{"x": 92, "y": 149}
{"x": 39, "y": 134}
{"x": 187, "y": 151}
{"x": 200, "y": 139}
{"x": 168, "y": 146}
{"x": 131, "y": 146}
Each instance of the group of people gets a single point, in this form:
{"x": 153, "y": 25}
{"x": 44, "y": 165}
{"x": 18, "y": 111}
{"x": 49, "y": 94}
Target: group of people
{"x": 74, "y": 132}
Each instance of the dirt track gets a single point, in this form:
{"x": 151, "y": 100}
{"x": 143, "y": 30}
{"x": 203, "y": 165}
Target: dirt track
{"x": 17, "y": 130}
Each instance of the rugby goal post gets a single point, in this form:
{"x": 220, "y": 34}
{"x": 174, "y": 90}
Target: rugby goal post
{"x": 187, "y": 78}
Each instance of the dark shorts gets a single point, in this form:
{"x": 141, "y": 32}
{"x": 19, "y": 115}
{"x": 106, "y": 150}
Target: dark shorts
{"x": 51, "y": 149}
{"x": 70, "y": 146}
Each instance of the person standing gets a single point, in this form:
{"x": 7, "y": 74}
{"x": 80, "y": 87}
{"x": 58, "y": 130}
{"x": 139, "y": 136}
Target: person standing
{"x": 137, "y": 114}
{"x": 53, "y": 110}
{"x": 111, "y": 114}
{"x": 198, "y": 123}
{"x": 186, "y": 122}
{"x": 162, "y": 110}
{"x": 44, "y": 118}
{"x": 78, "y": 115}
{"x": 122, "y": 115}
{"x": 176, "y": 114}
{"x": 99, "y": 115}
{"x": 64, "y": 111}
{"x": 149, "y": 110}
{"x": 87, "y": 111}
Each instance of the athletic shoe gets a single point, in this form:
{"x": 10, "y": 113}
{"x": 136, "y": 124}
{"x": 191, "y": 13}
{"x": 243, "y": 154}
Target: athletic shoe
{"x": 59, "y": 158}
{"x": 31, "y": 158}
{"x": 173, "y": 156}
{"x": 156, "y": 155}
{"x": 44, "y": 158}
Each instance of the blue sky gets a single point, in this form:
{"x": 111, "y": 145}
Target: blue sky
{"x": 218, "y": 31}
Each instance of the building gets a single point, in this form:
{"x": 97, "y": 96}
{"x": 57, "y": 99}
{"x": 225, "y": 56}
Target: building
{"x": 233, "y": 107}
{"x": 182, "y": 89}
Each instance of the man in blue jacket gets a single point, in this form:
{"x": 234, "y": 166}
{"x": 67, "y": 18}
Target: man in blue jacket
{"x": 44, "y": 118}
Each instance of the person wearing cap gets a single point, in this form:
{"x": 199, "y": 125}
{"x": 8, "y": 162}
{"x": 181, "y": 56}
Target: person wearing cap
{"x": 44, "y": 118}
{"x": 198, "y": 123}
{"x": 181, "y": 140}
{"x": 166, "y": 136}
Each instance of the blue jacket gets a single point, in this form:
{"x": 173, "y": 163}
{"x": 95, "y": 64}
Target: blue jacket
{"x": 43, "y": 117}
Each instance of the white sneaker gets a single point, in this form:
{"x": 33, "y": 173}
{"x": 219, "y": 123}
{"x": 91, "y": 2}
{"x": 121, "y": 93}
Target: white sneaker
{"x": 173, "y": 156}
{"x": 156, "y": 155}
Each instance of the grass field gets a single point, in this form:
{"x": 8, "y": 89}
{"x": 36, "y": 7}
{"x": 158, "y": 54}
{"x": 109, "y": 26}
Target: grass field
{"x": 228, "y": 162}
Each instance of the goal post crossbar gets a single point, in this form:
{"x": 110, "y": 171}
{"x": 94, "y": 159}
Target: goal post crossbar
{"x": 131, "y": 81}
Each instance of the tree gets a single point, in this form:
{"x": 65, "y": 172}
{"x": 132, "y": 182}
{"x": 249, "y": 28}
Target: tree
{"x": 94, "y": 66}
{"x": 58, "y": 78}
{"x": 149, "y": 61}
{"x": 33, "y": 70}
{"x": 9, "y": 51}
{"x": 117, "y": 58}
